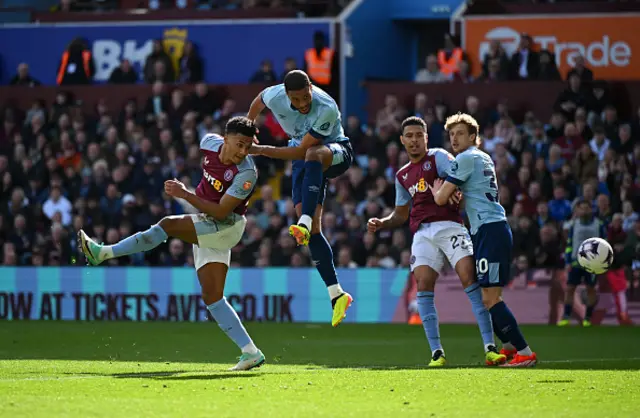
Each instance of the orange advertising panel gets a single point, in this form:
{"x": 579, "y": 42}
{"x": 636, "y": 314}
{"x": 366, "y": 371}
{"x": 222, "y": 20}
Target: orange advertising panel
{"x": 609, "y": 43}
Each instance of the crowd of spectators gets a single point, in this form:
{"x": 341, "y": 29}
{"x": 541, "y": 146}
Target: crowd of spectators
{"x": 497, "y": 64}
{"x": 63, "y": 169}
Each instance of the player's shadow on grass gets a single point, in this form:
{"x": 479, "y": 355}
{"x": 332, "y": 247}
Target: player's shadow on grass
{"x": 172, "y": 375}
{"x": 210, "y": 376}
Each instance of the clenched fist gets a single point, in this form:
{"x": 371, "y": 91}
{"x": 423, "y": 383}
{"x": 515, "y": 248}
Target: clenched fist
{"x": 374, "y": 224}
{"x": 175, "y": 188}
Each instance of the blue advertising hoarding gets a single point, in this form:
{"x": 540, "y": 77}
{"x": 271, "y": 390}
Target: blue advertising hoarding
{"x": 232, "y": 50}
{"x": 173, "y": 294}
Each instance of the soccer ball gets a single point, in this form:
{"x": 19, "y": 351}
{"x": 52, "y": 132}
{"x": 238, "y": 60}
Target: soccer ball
{"x": 595, "y": 255}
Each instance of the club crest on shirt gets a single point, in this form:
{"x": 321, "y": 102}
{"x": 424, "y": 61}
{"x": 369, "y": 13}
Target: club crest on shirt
{"x": 426, "y": 166}
{"x": 228, "y": 175}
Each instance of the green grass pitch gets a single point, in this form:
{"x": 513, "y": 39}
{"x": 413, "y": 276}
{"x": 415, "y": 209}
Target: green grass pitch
{"x": 110, "y": 369}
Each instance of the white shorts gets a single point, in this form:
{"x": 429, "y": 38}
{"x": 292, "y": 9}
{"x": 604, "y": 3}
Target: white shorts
{"x": 215, "y": 239}
{"x": 439, "y": 240}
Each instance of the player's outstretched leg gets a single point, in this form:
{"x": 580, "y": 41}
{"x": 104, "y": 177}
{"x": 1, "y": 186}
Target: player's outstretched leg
{"x": 180, "y": 227}
{"x": 465, "y": 268}
{"x": 425, "y": 278}
{"x": 212, "y": 277}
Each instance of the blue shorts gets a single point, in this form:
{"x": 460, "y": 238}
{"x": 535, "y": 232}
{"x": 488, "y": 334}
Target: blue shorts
{"x": 578, "y": 275}
{"x": 492, "y": 247}
{"x": 342, "y": 160}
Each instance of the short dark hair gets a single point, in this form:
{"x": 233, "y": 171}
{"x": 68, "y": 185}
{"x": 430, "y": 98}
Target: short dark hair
{"x": 296, "y": 80}
{"x": 414, "y": 121}
{"x": 240, "y": 125}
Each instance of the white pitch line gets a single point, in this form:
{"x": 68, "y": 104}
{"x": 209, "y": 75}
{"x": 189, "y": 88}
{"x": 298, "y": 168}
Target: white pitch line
{"x": 264, "y": 370}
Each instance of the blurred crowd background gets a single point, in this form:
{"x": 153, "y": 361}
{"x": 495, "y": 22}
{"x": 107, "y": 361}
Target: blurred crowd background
{"x": 64, "y": 167}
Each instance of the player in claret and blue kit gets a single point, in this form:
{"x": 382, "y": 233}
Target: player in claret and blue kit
{"x": 474, "y": 173}
{"x": 229, "y": 177}
{"x": 439, "y": 235}
{"x": 319, "y": 151}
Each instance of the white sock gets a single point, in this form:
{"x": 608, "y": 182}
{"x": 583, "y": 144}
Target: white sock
{"x": 106, "y": 252}
{"x": 525, "y": 352}
{"x": 335, "y": 290}
{"x": 508, "y": 346}
{"x": 250, "y": 348}
{"x": 434, "y": 351}
{"x": 306, "y": 220}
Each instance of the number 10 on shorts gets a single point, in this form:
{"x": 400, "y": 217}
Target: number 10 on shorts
{"x": 482, "y": 266}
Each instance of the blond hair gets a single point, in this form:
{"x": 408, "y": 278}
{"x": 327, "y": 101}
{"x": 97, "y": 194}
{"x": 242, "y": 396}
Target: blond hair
{"x": 467, "y": 120}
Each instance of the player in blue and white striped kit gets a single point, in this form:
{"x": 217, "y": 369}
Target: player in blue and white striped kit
{"x": 319, "y": 151}
{"x": 473, "y": 172}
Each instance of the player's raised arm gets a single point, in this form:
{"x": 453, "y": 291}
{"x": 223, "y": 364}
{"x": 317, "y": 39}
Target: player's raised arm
{"x": 264, "y": 100}
{"x": 459, "y": 171}
{"x": 399, "y": 215}
{"x": 257, "y": 106}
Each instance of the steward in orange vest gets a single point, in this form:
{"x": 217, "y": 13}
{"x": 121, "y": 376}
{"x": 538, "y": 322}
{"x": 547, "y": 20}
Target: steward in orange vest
{"x": 318, "y": 61}
{"x": 449, "y": 57}
{"x": 76, "y": 65}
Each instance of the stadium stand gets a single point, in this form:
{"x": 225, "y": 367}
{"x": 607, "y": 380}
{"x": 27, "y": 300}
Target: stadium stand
{"x": 95, "y": 157}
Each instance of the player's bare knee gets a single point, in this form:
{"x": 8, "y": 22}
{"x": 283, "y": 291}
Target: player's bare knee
{"x": 209, "y": 297}
{"x": 425, "y": 278}
{"x": 168, "y": 224}
{"x": 465, "y": 269}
